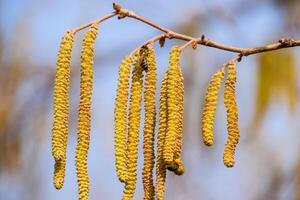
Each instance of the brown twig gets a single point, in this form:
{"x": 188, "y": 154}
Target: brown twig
{"x": 149, "y": 42}
{"x": 193, "y": 43}
{"x": 283, "y": 43}
{"x": 97, "y": 21}
{"x": 205, "y": 41}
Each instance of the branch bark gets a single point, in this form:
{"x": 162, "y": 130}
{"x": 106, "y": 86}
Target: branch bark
{"x": 203, "y": 40}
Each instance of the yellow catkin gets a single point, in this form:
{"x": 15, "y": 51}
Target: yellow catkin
{"x": 210, "y": 105}
{"x": 180, "y": 114}
{"x": 162, "y": 129}
{"x": 121, "y": 117}
{"x": 173, "y": 107}
{"x": 133, "y": 131}
{"x": 232, "y": 117}
{"x": 61, "y": 109}
{"x": 149, "y": 125}
{"x": 84, "y": 113}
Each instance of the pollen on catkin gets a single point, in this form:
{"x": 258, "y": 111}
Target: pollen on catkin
{"x": 133, "y": 131}
{"x": 162, "y": 129}
{"x": 149, "y": 124}
{"x": 61, "y": 109}
{"x": 232, "y": 117}
{"x": 210, "y": 105}
{"x": 180, "y": 115}
{"x": 173, "y": 107}
{"x": 84, "y": 113}
{"x": 120, "y": 117}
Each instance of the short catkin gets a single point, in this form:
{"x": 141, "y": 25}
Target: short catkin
{"x": 84, "y": 113}
{"x": 149, "y": 124}
{"x": 162, "y": 129}
{"x": 210, "y": 105}
{"x": 61, "y": 108}
{"x": 133, "y": 131}
{"x": 173, "y": 107}
{"x": 232, "y": 117}
{"x": 120, "y": 117}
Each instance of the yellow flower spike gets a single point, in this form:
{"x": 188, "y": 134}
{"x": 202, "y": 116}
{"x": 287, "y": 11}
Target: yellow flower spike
{"x": 133, "y": 131}
{"x": 210, "y": 105}
{"x": 61, "y": 109}
{"x": 149, "y": 125}
{"x": 232, "y": 117}
{"x": 173, "y": 107}
{"x": 180, "y": 114}
{"x": 162, "y": 128}
{"x": 84, "y": 113}
{"x": 121, "y": 117}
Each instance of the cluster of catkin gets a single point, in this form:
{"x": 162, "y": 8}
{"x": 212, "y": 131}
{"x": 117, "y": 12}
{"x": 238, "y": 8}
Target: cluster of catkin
{"x": 209, "y": 111}
{"x": 170, "y": 129}
{"x": 127, "y": 122}
{"x": 135, "y": 85}
{"x": 61, "y": 110}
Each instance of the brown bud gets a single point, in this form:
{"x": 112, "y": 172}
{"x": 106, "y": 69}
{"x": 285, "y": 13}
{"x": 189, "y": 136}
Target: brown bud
{"x": 117, "y": 7}
{"x": 162, "y": 41}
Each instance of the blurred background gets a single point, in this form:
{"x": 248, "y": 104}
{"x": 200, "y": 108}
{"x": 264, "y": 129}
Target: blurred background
{"x": 267, "y": 158}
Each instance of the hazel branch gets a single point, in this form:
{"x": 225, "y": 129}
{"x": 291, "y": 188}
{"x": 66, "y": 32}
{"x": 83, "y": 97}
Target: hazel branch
{"x": 282, "y": 43}
{"x": 205, "y": 41}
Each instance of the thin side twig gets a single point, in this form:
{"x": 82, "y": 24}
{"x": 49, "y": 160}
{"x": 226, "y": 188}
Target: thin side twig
{"x": 97, "y": 21}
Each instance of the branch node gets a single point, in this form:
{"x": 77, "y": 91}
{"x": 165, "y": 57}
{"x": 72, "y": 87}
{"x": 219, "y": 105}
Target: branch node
{"x": 286, "y": 42}
{"x": 204, "y": 40}
{"x": 194, "y": 44}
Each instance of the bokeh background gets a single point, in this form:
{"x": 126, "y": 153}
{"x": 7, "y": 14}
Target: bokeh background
{"x": 267, "y": 158}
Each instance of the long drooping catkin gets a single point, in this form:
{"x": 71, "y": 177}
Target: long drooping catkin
{"x": 179, "y": 134}
{"x": 162, "y": 129}
{"x": 84, "y": 113}
{"x": 173, "y": 107}
{"x": 210, "y": 105}
{"x": 133, "y": 131}
{"x": 232, "y": 117}
{"x": 121, "y": 117}
{"x": 61, "y": 109}
{"x": 149, "y": 125}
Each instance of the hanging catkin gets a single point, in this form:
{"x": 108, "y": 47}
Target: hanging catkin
{"x": 121, "y": 117}
{"x": 232, "y": 117}
{"x": 173, "y": 107}
{"x": 149, "y": 125}
{"x": 133, "y": 131}
{"x": 210, "y": 105}
{"x": 162, "y": 129}
{"x": 179, "y": 134}
{"x": 61, "y": 109}
{"x": 84, "y": 113}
